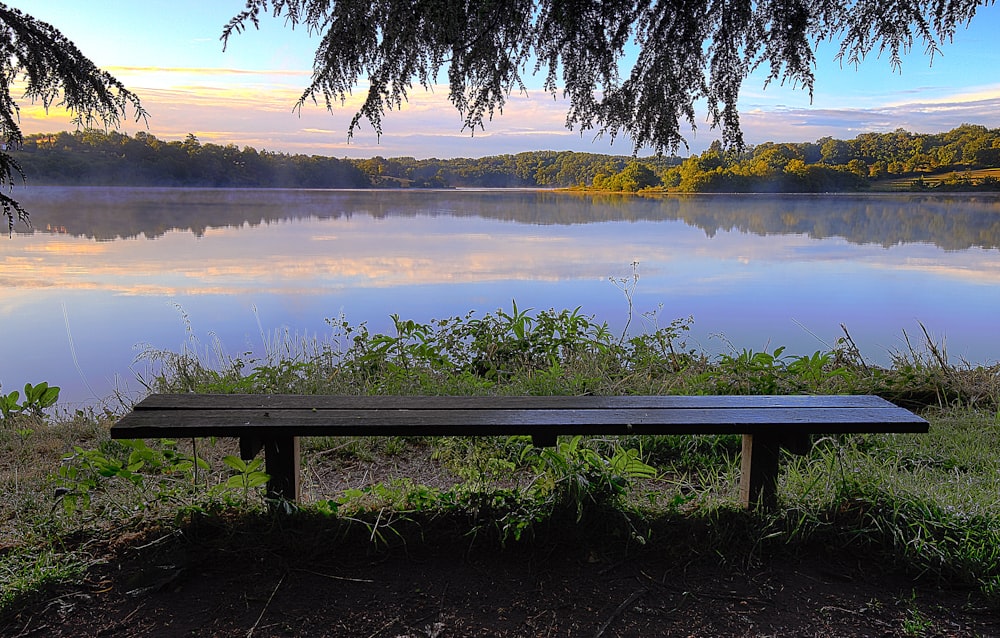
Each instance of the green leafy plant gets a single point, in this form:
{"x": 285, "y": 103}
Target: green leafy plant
{"x": 925, "y": 503}
{"x": 151, "y": 474}
{"x": 36, "y": 399}
{"x": 9, "y": 404}
{"x": 248, "y": 475}
{"x": 578, "y": 477}
{"x": 39, "y": 397}
{"x": 815, "y": 371}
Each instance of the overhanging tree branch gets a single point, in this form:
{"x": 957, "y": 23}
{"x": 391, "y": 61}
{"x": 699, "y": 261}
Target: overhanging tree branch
{"x": 688, "y": 50}
{"x": 54, "y": 73}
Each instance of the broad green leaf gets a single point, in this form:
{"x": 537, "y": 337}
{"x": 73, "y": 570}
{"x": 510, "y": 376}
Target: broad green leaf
{"x": 235, "y": 462}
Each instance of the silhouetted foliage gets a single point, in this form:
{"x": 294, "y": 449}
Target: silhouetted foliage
{"x": 52, "y": 71}
{"x": 687, "y": 50}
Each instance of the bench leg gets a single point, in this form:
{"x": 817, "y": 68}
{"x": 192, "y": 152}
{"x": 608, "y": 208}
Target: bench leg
{"x": 759, "y": 477}
{"x": 249, "y": 447}
{"x": 281, "y": 462}
{"x": 543, "y": 440}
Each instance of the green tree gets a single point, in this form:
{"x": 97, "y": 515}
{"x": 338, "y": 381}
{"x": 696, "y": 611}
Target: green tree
{"x": 858, "y": 167}
{"x": 835, "y": 152}
{"x": 51, "y": 69}
{"x": 687, "y": 50}
{"x": 634, "y": 177}
{"x": 769, "y": 161}
{"x": 878, "y": 169}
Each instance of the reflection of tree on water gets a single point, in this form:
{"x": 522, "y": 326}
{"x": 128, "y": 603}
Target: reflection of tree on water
{"x": 951, "y": 222}
{"x": 948, "y": 222}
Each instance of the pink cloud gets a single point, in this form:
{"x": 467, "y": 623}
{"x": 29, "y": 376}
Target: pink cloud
{"x": 255, "y": 108}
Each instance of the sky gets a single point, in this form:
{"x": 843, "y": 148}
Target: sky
{"x": 169, "y": 53}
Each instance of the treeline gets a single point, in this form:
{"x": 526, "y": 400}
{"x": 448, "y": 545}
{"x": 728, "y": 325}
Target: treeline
{"x": 533, "y": 169}
{"x": 826, "y": 165}
{"x": 95, "y": 157}
{"x": 98, "y": 158}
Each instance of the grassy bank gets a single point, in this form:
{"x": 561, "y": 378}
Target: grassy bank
{"x": 925, "y": 504}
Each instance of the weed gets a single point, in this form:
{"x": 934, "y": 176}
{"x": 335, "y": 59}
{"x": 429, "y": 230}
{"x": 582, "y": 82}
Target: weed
{"x": 915, "y": 623}
{"x": 36, "y": 399}
{"x": 576, "y": 479}
{"x": 627, "y": 285}
{"x": 131, "y": 476}
{"x": 248, "y": 475}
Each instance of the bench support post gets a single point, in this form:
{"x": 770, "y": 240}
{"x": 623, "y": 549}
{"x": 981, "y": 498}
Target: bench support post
{"x": 281, "y": 462}
{"x": 543, "y": 440}
{"x": 249, "y": 446}
{"x": 759, "y": 476}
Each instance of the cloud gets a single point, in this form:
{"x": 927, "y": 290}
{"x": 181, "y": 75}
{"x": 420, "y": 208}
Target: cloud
{"x": 919, "y": 116}
{"x": 146, "y": 71}
{"x": 257, "y": 108}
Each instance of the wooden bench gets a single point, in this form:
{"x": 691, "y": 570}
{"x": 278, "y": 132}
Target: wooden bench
{"x": 274, "y": 423}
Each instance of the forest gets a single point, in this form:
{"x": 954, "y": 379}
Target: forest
{"x": 954, "y": 160}
{"x": 847, "y": 165}
{"x": 93, "y": 157}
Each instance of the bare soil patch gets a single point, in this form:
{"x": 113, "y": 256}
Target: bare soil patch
{"x": 315, "y": 577}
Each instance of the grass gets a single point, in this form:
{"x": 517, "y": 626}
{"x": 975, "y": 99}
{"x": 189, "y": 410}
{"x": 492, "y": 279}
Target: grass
{"x": 927, "y": 504}
{"x": 26, "y": 573}
{"x": 965, "y": 179}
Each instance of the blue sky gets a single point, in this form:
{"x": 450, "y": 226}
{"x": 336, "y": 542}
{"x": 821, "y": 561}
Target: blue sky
{"x": 170, "y": 54}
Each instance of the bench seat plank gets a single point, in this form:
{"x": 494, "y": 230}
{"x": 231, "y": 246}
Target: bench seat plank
{"x": 482, "y": 422}
{"x": 322, "y": 402}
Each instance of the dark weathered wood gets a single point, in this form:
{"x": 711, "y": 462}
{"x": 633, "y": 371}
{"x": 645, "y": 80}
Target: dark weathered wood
{"x": 759, "y": 470}
{"x": 281, "y": 461}
{"x": 484, "y": 422}
{"x": 328, "y": 402}
{"x": 275, "y": 422}
{"x": 544, "y": 440}
{"x": 250, "y": 445}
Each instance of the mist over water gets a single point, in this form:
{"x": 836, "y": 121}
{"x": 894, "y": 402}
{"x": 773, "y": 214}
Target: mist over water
{"x": 105, "y": 272}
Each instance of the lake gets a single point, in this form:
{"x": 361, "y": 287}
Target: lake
{"x": 106, "y": 272}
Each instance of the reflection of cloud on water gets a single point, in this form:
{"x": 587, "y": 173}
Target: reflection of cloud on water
{"x": 985, "y": 272}
{"x": 67, "y": 249}
{"x": 317, "y": 256}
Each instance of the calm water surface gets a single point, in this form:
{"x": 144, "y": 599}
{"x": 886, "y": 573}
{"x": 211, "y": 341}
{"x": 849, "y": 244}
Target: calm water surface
{"x": 106, "y": 272}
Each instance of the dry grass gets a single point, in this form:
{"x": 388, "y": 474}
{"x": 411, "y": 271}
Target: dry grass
{"x": 933, "y": 180}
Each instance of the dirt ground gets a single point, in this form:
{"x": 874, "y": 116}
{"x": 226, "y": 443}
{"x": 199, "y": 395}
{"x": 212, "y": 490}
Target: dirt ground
{"x": 309, "y": 579}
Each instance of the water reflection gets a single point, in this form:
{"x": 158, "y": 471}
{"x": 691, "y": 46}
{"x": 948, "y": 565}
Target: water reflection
{"x": 949, "y": 221}
{"x": 105, "y": 269}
